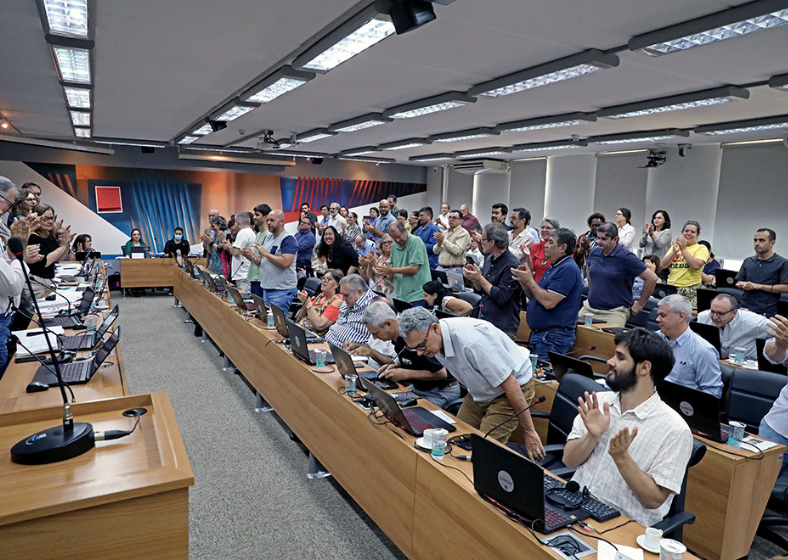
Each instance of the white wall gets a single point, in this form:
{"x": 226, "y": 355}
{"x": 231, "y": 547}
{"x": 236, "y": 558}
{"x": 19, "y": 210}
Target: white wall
{"x": 460, "y": 190}
{"x": 528, "y": 188}
{"x": 489, "y": 189}
{"x": 569, "y": 192}
{"x": 621, "y": 183}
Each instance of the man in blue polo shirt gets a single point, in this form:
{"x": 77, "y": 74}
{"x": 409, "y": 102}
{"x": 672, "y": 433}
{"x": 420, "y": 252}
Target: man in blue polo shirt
{"x": 552, "y": 303}
{"x": 426, "y": 232}
{"x": 611, "y": 271}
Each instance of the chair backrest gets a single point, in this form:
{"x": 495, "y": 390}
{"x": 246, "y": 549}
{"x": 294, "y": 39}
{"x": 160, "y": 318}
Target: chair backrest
{"x": 312, "y": 286}
{"x": 564, "y": 410}
{"x": 474, "y": 299}
{"x": 763, "y": 363}
{"x": 651, "y": 322}
{"x": 641, "y": 319}
{"x": 752, "y": 394}
{"x": 677, "y": 505}
{"x": 735, "y": 292}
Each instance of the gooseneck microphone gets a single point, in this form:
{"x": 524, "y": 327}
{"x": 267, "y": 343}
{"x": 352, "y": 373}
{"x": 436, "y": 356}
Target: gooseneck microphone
{"x": 539, "y": 400}
{"x": 61, "y": 442}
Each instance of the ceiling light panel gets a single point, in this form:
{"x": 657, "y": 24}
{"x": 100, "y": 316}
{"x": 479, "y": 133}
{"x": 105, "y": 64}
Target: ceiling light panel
{"x": 118, "y": 142}
{"x": 188, "y": 139}
{"x": 470, "y": 134}
{"x": 430, "y": 105}
{"x": 73, "y": 65}
{"x": 556, "y": 145}
{"x": 77, "y": 98}
{"x": 360, "y": 123}
{"x": 80, "y": 118}
{"x": 433, "y": 157}
{"x": 567, "y": 68}
{"x": 779, "y": 82}
{"x": 314, "y": 135}
{"x": 645, "y": 136}
{"x": 67, "y": 17}
{"x": 368, "y": 160}
{"x": 749, "y": 125}
{"x": 404, "y": 144}
{"x": 203, "y": 130}
{"x": 557, "y": 121}
{"x": 82, "y": 132}
{"x": 368, "y": 34}
{"x": 483, "y": 152}
{"x": 360, "y": 151}
{"x": 735, "y": 22}
{"x": 297, "y": 154}
{"x": 682, "y": 102}
{"x": 234, "y": 110}
{"x": 282, "y": 81}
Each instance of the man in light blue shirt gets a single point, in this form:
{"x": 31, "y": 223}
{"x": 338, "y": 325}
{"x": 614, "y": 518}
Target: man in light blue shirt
{"x": 697, "y": 362}
{"x": 738, "y": 327}
{"x": 362, "y": 245}
{"x": 496, "y": 372}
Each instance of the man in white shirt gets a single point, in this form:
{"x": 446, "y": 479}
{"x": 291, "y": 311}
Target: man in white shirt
{"x": 774, "y": 425}
{"x": 631, "y": 449}
{"x": 452, "y": 245}
{"x": 244, "y": 239}
{"x": 442, "y": 219}
{"x": 738, "y": 327}
{"x": 519, "y": 236}
{"x": 336, "y": 219}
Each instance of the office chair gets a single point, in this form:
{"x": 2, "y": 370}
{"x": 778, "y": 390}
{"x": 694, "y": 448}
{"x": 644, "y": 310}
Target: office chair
{"x": 735, "y": 292}
{"x": 641, "y": 318}
{"x": 561, "y": 417}
{"x": 672, "y": 525}
{"x": 651, "y": 322}
{"x": 312, "y": 286}
{"x": 474, "y": 299}
{"x": 763, "y": 363}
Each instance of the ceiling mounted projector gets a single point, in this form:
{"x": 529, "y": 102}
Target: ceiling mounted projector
{"x": 407, "y": 15}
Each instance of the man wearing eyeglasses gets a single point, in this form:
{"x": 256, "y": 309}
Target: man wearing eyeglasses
{"x": 496, "y": 372}
{"x": 738, "y": 327}
{"x": 451, "y": 245}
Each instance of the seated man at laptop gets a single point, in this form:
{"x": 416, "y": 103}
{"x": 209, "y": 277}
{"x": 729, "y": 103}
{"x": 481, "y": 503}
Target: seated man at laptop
{"x": 349, "y": 326}
{"x": 496, "y": 372}
{"x": 774, "y": 425}
{"x": 631, "y": 449}
{"x": 425, "y": 375}
{"x": 738, "y": 327}
{"x": 697, "y": 361}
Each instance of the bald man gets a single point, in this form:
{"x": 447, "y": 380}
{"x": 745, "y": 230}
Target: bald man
{"x": 468, "y": 219}
{"x": 277, "y": 262}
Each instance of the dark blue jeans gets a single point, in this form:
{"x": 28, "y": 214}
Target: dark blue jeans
{"x": 558, "y": 340}
{"x": 280, "y": 298}
{"x": 256, "y": 289}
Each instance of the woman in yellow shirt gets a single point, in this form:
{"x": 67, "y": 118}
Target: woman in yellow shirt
{"x": 686, "y": 259}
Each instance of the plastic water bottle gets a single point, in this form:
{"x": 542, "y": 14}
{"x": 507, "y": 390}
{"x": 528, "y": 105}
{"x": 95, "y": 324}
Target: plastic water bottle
{"x": 179, "y": 257}
{"x": 91, "y": 322}
{"x": 435, "y": 310}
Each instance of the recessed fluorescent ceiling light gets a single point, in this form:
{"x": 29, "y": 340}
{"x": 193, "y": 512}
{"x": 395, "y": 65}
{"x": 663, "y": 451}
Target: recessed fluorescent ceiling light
{"x": 234, "y": 112}
{"x": 359, "y": 123}
{"x": 77, "y": 98}
{"x": 73, "y": 65}
{"x": 746, "y": 129}
{"x": 573, "y": 66}
{"x": 67, "y": 17}
{"x": 130, "y": 143}
{"x": 631, "y": 140}
{"x": 646, "y": 136}
{"x": 188, "y": 139}
{"x": 404, "y": 144}
{"x": 220, "y": 149}
{"x": 748, "y": 18}
{"x": 482, "y": 153}
{"x": 79, "y": 118}
{"x": 368, "y": 160}
{"x": 360, "y": 151}
{"x": 464, "y": 135}
{"x": 749, "y": 125}
{"x": 297, "y": 154}
{"x": 313, "y": 135}
{"x": 82, "y": 132}
{"x": 556, "y": 145}
{"x": 368, "y": 34}
{"x": 749, "y": 142}
{"x": 693, "y": 100}
{"x": 203, "y": 130}
{"x": 433, "y": 157}
{"x": 279, "y": 87}
{"x": 429, "y": 105}
{"x": 570, "y": 119}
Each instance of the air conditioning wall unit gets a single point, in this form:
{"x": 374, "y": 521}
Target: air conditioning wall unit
{"x": 481, "y": 166}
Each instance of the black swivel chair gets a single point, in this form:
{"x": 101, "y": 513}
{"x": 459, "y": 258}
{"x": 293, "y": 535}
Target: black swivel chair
{"x": 312, "y": 286}
{"x": 474, "y": 299}
{"x": 561, "y": 417}
{"x": 641, "y": 319}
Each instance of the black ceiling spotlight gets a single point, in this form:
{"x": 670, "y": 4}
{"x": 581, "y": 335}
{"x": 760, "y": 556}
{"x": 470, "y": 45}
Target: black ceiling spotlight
{"x": 315, "y": 160}
{"x": 407, "y": 15}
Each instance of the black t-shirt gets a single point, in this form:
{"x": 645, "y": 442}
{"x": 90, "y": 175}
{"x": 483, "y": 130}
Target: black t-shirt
{"x": 172, "y": 246}
{"x": 410, "y": 359}
{"x": 47, "y": 245}
{"x": 341, "y": 256}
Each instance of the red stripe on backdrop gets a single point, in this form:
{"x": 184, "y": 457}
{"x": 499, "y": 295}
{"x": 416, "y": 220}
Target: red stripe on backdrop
{"x": 362, "y": 191}
{"x": 295, "y": 194}
{"x": 358, "y": 187}
{"x": 312, "y": 194}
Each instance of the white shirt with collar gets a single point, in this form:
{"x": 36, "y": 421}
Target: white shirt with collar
{"x": 482, "y": 357}
{"x": 525, "y": 237}
{"x": 741, "y": 332}
{"x": 12, "y": 278}
{"x": 661, "y": 449}
{"x": 339, "y": 223}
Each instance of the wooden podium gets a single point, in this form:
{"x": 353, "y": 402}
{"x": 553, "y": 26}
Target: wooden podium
{"x": 127, "y": 498}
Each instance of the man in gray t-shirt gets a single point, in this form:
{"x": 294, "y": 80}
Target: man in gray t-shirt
{"x": 278, "y": 263}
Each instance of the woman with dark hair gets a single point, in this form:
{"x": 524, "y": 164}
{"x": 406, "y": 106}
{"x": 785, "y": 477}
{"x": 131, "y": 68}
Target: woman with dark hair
{"x": 686, "y": 258}
{"x": 626, "y": 232}
{"x": 335, "y": 252}
{"x": 82, "y": 243}
{"x": 218, "y": 259}
{"x": 25, "y": 202}
{"x": 402, "y": 217}
{"x": 353, "y": 229}
{"x": 322, "y": 311}
{"x": 436, "y": 295}
{"x": 656, "y": 235}
{"x": 374, "y": 214}
{"x": 54, "y": 241}
{"x": 135, "y": 240}
{"x": 652, "y": 263}
{"x": 712, "y": 265}
{"x": 344, "y": 211}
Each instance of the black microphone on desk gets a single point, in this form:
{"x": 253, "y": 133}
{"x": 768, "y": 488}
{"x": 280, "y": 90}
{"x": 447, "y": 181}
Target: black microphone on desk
{"x": 539, "y": 400}
{"x": 61, "y": 442}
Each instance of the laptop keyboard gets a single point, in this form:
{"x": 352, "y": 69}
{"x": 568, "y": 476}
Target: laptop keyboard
{"x": 416, "y": 422}
{"x": 70, "y": 321}
{"x": 75, "y": 372}
{"x": 555, "y": 519}
{"x": 77, "y": 342}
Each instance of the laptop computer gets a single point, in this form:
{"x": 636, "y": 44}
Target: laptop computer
{"x": 505, "y": 477}
{"x": 400, "y": 305}
{"x": 299, "y": 344}
{"x": 709, "y": 333}
{"x": 78, "y": 373}
{"x": 413, "y": 420}
{"x": 260, "y": 308}
{"x": 455, "y": 279}
{"x": 700, "y": 410}
{"x": 75, "y": 319}
{"x": 440, "y": 276}
{"x": 243, "y": 304}
{"x": 563, "y": 364}
{"x": 84, "y": 255}
{"x": 139, "y": 252}
{"x": 211, "y": 283}
{"x": 664, "y": 290}
{"x": 347, "y": 366}
{"x": 726, "y": 278}
{"x": 705, "y": 295}
{"x": 89, "y": 340}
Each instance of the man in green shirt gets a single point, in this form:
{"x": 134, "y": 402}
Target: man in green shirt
{"x": 261, "y": 212}
{"x": 409, "y": 266}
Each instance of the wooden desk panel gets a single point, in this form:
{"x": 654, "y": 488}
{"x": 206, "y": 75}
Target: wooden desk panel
{"x": 133, "y": 493}
{"x": 150, "y": 273}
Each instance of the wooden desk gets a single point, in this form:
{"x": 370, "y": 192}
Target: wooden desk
{"x": 426, "y": 509}
{"x": 150, "y": 273}
{"x": 124, "y": 499}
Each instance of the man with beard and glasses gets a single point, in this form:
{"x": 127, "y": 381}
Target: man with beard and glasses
{"x": 631, "y": 449}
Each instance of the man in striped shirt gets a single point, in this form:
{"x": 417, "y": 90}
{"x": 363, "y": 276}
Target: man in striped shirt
{"x": 350, "y": 326}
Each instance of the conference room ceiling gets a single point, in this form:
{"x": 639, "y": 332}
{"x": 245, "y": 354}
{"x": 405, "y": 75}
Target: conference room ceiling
{"x": 159, "y": 67}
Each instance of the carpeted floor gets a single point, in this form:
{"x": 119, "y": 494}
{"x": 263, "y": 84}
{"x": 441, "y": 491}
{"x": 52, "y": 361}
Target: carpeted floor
{"x": 251, "y": 497}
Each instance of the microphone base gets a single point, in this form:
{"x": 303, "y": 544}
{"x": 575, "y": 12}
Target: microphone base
{"x": 54, "y": 445}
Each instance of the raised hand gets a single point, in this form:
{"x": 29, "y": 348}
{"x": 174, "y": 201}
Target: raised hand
{"x": 32, "y": 254}
{"x": 619, "y": 443}
{"x": 596, "y": 421}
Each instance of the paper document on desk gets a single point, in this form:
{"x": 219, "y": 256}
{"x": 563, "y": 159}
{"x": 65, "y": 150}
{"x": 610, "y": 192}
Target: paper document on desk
{"x": 607, "y": 552}
{"x": 37, "y": 343}
{"x": 761, "y": 444}
{"x": 443, "y": 416}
